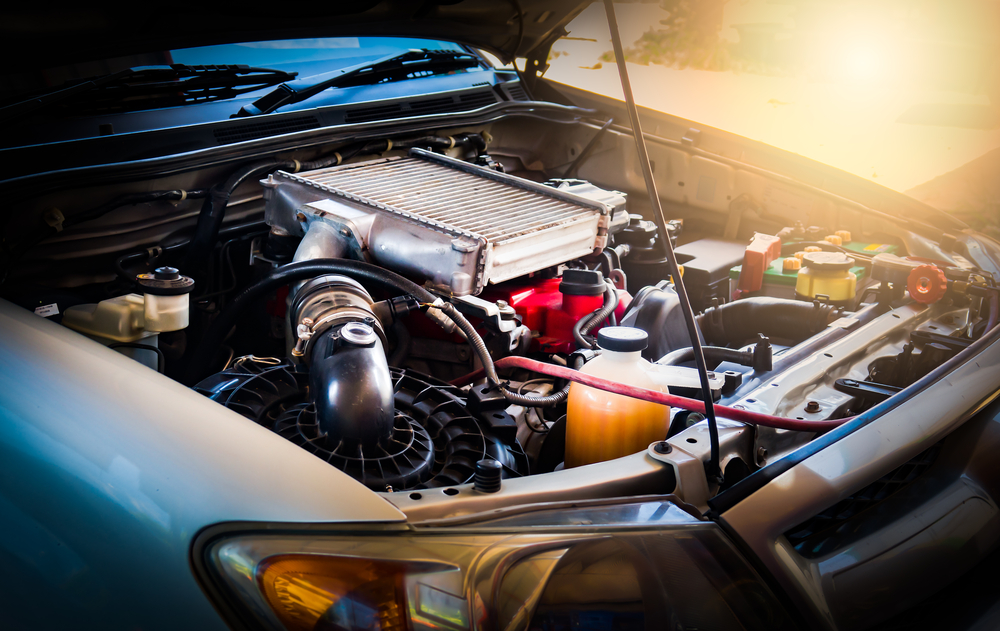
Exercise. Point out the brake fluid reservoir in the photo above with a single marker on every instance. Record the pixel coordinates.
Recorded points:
(166, 299)
(601, 425)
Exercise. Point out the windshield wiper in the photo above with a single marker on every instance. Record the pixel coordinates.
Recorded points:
(153, 87)
(409, 65)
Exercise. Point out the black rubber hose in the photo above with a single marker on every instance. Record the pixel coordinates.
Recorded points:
(131, 199)
(359, 270)
(736, 322)
(712, 353)
(403, 344)
(293, 273)
(474, 141)
(586, 324)
(123, 262)
(213, 210)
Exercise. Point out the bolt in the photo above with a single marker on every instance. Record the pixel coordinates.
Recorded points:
(662, 447)
(502, 304)
(307, 321)
(761, 454)
(812, 407)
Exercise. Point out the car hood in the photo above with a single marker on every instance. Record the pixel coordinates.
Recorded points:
(37, 37)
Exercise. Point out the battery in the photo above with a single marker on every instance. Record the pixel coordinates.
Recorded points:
(781, 284)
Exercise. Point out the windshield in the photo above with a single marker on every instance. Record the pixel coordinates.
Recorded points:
(181, 87)
(305, 55)
(895, 91)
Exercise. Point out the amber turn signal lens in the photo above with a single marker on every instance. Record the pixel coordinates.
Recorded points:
(314, 592)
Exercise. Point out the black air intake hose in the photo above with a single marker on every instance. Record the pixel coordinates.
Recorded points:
(759, 357)
(738, 322)
(350, 384)
(205, 351)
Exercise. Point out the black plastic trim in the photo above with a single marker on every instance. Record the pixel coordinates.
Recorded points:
(231, 133)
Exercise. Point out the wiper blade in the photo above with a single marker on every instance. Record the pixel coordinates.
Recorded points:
(153, 87)
(409, 65)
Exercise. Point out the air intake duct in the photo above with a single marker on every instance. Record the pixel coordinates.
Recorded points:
(350, 386)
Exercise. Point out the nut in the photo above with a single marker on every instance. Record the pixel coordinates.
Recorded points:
(812, 407)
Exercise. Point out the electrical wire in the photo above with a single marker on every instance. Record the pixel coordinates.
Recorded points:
(712, 468)
(537, 410)
(571, 169)
(587, 323)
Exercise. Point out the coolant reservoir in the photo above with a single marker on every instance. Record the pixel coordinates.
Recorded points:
(603, 426)
(828, 274)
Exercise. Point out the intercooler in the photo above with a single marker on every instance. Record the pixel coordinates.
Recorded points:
(454, 224)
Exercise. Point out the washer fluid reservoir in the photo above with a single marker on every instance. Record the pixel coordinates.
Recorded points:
(601, 425)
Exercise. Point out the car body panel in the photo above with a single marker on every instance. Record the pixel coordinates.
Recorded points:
(111, 470)
(950, 529)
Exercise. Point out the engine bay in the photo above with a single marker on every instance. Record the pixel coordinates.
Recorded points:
(473, 318)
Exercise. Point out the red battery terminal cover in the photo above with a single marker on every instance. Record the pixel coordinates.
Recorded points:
(760, 253)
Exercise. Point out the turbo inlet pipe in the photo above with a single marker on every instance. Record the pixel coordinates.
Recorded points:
(351, 387)
(343, 341)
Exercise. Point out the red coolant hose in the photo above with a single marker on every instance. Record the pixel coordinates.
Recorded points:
(744, 416)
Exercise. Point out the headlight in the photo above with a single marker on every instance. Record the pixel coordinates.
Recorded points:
(636, 565)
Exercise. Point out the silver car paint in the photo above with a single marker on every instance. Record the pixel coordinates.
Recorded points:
(108, 470)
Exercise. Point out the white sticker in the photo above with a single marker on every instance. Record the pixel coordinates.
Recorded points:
(47, 311)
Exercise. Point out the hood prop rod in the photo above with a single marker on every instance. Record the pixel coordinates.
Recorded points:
(712, 466)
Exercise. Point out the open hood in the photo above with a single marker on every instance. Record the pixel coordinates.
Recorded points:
(38, 37)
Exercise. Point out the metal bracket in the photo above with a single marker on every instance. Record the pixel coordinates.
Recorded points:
(867, 390)
(499, 316)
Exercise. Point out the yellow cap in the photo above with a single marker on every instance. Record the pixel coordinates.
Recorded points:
(845, 235)
(680, 268)
(800, 254)
(833, 239)
(791, 264)
(812, 248)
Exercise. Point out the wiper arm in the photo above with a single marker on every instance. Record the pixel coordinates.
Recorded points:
(409, 65)
(152, 87)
